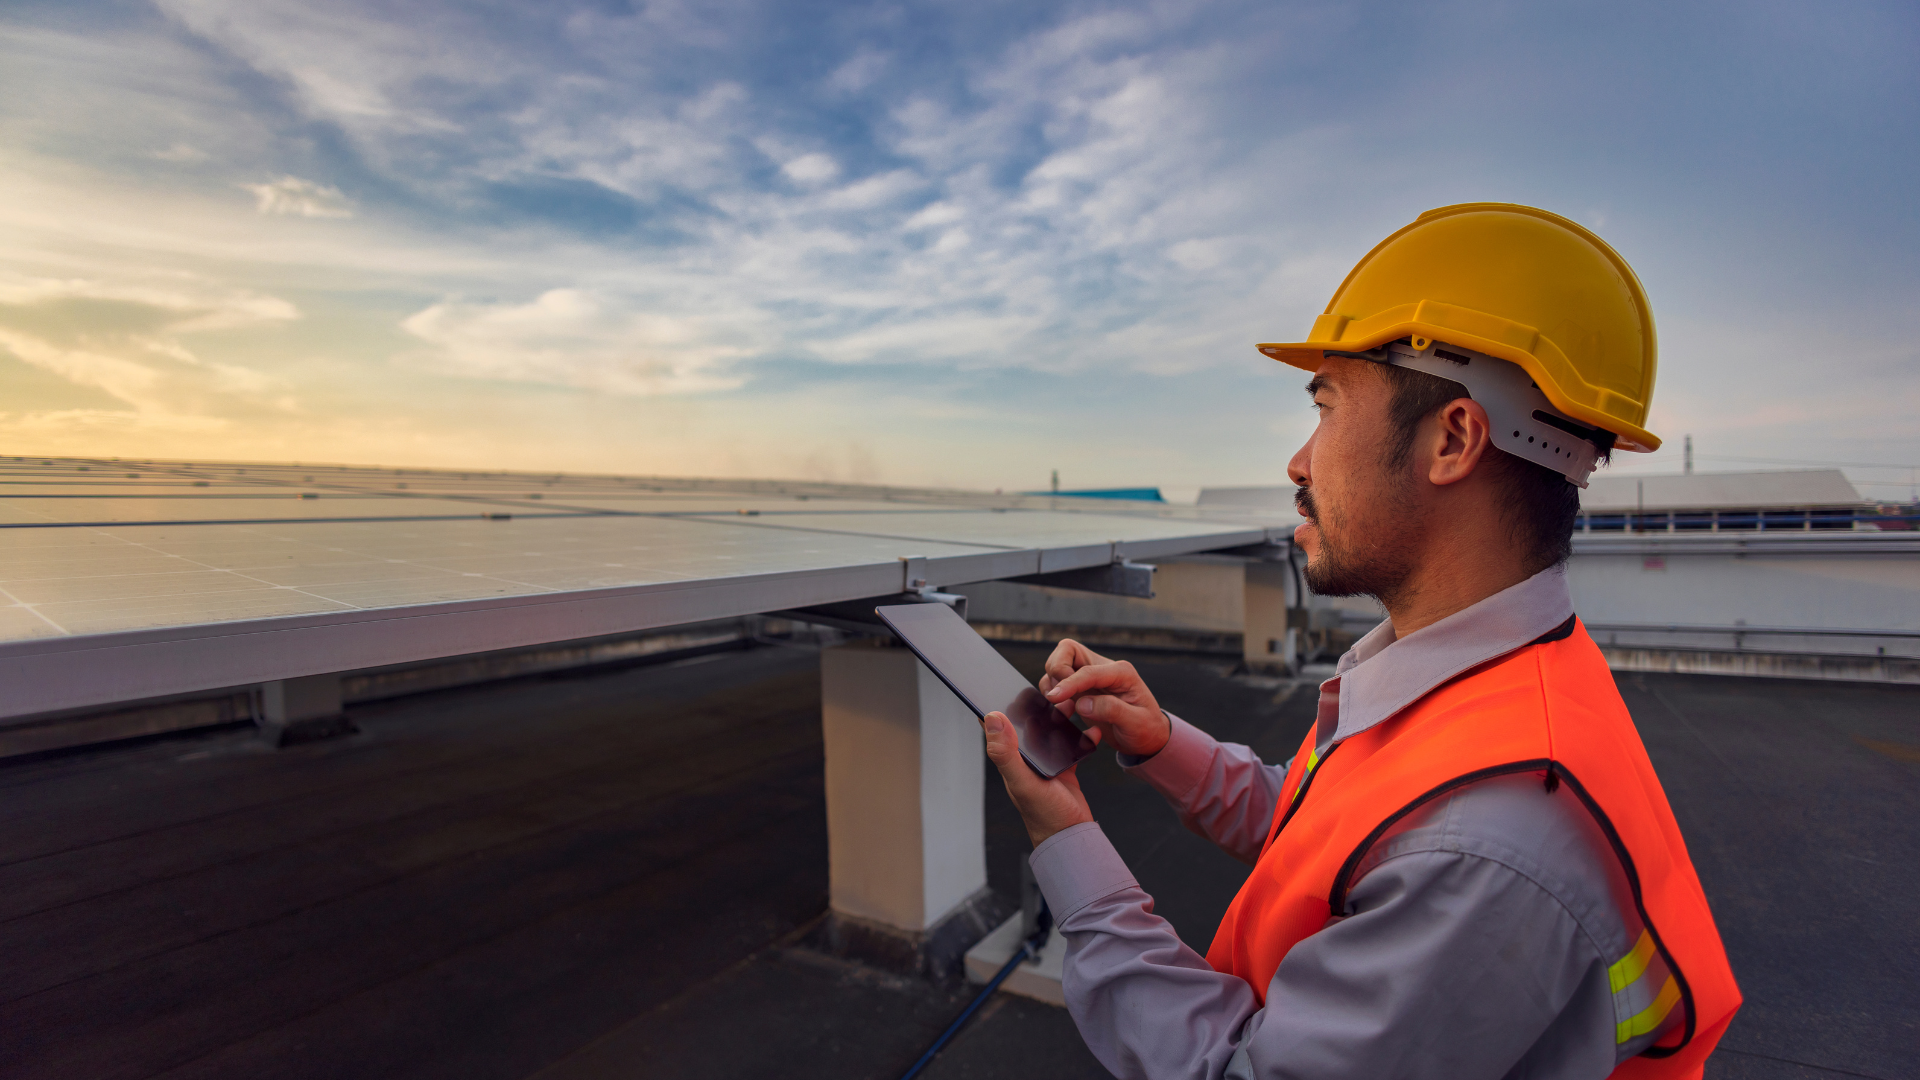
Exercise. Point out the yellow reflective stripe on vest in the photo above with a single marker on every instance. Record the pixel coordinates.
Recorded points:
(1633, 977)
(1313, 762)
(1633, 964)
(1650, 1018)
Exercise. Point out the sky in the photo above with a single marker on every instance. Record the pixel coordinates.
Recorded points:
(956, 244)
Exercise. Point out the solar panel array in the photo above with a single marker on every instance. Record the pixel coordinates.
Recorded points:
(121, 580)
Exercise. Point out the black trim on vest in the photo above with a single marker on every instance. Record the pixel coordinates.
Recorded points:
(1300, 797)
(1337, 900)
(1639, 902)
(1558, 633)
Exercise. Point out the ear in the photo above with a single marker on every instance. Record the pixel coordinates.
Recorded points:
(1458, 436)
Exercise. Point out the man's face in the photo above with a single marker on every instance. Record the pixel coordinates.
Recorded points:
(1359, 514)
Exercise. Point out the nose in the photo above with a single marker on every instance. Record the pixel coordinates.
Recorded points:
(1300, 470)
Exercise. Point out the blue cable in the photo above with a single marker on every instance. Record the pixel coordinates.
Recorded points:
(1028, 948)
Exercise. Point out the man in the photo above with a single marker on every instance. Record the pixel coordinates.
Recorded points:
(1469, 869)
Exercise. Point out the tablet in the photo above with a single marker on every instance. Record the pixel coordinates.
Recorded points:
(985, 681)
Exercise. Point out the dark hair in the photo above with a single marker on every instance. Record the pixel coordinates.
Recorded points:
(1541, 504)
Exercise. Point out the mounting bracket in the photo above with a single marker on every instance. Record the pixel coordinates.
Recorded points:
(1119, 578)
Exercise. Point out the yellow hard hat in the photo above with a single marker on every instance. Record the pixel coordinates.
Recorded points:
(1515, 283)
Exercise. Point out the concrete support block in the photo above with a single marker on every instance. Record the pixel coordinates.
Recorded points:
(1268, 641)
(906, 834)
(302, 710)
(1038, 978)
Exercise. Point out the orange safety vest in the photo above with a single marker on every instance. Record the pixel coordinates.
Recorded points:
(1549, 708)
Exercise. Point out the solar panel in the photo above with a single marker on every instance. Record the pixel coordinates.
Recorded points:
(123, 580)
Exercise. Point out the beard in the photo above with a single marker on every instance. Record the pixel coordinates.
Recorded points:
(1360, 555)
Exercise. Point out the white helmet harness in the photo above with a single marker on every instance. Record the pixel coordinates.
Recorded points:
(1524, 423)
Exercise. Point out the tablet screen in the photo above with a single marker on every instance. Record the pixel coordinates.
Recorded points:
(987, 683)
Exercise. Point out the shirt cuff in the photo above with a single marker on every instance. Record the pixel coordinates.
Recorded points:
(1180, 765)
(1077, 866)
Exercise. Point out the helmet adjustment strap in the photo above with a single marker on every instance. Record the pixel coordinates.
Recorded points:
(1525, 423)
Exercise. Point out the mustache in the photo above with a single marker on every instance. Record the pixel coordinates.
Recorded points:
(1303, 502)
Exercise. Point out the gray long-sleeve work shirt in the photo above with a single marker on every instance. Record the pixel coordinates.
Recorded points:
(1485, 933)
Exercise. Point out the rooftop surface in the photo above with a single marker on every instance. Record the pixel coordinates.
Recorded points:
(611, 874)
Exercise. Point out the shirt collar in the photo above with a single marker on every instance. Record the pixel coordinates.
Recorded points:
(1382, 674)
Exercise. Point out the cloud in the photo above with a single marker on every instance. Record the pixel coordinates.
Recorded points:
(811, 168)
(664, 204)
(1038, 197)
(187, 303)
(156, 377)
(128, 340)
(300, 198)
(127, 380)
(1064, 152)
(934, 215)
(568, 337)
(860, 70)
(346, 61)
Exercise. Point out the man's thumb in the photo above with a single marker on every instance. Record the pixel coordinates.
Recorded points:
(1000, 737)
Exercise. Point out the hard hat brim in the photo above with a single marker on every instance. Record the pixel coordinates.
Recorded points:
(1308, 355)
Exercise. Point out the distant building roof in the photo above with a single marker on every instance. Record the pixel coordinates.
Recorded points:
(1798, 488)
(1262, 497)
(1146, 494)
(1721, 491)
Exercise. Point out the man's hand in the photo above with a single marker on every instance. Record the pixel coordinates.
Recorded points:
(1047, 806)
(1107, 694)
